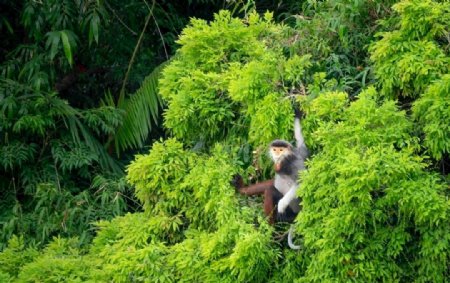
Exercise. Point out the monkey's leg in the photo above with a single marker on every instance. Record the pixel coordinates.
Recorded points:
(266, 188)
(271, 197)
(257, 189)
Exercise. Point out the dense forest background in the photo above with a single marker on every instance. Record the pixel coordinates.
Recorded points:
(123, 123)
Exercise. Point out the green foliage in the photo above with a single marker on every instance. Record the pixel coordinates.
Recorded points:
(432, 110)
(336, 33)
(54, 210)
(60, 261)
(47, 145)
(57, 126)
(155, 175)
(226, 80)
(195, 232)
(15, 256)
(370, 210)
(408, 59)
(326, 107)
(373, 208)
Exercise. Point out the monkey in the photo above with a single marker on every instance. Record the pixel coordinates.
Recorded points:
(288, 162)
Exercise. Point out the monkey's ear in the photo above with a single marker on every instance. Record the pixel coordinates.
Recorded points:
(237, 182)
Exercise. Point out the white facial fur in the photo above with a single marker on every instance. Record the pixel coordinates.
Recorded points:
(278, 153)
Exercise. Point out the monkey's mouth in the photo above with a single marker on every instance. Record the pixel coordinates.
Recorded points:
(277, 166)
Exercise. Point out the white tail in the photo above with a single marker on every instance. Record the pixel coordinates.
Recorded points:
(290, 243)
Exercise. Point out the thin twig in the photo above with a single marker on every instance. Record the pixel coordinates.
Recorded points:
(162, 38)
(122, 91)
(120, 20)
(157, 26)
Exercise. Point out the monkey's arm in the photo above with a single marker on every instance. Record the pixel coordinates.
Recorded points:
(287, 198)
(304, 152)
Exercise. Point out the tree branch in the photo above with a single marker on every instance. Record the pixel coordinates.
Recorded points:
(122, 90)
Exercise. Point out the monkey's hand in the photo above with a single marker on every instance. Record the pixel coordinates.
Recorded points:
(298, 112)
(282, 205)
(286, 199)
(237, 182)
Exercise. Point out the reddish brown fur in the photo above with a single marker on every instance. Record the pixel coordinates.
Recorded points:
(267, 189)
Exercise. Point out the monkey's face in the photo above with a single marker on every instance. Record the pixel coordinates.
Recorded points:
(278, 153)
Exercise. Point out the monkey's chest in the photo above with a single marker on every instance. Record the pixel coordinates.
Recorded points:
(283, 183)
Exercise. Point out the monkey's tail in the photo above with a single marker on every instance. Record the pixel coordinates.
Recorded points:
(290, 243)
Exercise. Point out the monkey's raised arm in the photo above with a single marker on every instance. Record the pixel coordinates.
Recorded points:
(301, 146)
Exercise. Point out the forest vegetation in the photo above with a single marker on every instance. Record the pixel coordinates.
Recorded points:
(123, 124)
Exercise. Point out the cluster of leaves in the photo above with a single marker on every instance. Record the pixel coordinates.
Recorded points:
(336, 34)
(432, 110)
(67, 104)
(49, 152)
(195, 232)
(409, 58)
(60, 261)
(412, 62)
(194, 227)
(371, 211)
(218, 87)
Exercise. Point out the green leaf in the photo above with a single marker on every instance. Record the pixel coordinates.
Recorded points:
(53, 39)
(93, 29)
(66, 46)
(141, 112)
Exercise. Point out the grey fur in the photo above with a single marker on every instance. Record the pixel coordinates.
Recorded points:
(286, 179)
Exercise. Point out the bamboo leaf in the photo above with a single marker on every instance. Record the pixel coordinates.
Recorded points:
(66, 46)
(93, 30)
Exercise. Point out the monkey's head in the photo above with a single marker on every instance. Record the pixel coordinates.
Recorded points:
(279, 149)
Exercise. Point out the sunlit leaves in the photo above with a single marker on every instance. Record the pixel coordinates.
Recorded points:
(60, 260)
(295, 68)
(365, 193)
(273, 119)
(192, 228)
(227, 81)
(432, 110)
(406, 60)
(406, 67)
(155, 176)
(15, 255)
(423, 19)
